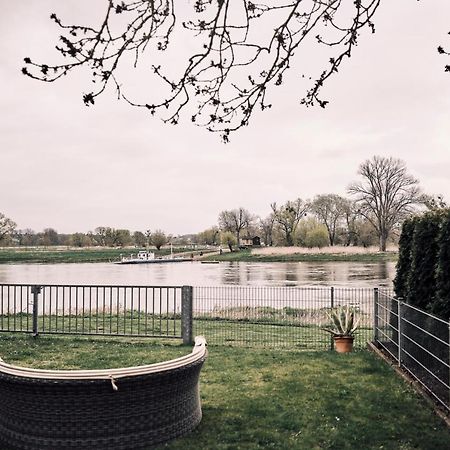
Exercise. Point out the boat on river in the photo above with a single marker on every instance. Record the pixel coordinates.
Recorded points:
(144, 257)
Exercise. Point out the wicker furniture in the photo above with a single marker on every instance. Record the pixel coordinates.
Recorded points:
(118, 409)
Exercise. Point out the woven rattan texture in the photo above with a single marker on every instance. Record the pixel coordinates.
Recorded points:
(40, 414)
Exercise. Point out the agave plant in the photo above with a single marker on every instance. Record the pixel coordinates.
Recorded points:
(343, 321)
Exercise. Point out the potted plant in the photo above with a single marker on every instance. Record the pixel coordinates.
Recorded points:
(343, 327)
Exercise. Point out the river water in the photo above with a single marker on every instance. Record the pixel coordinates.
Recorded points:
(339, 274)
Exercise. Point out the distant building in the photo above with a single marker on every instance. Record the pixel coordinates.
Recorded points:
(250, 241)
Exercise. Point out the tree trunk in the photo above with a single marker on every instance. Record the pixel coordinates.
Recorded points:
(289, 238)
(383, 240)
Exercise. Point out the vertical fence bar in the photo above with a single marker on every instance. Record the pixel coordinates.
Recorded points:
(375, 315)
(35, 290)
(400, 340)
(331, 306)
(186, 314)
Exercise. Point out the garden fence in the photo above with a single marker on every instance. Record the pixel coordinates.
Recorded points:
(251, 316)
(153, 311)
(417, 341)
(277, 316)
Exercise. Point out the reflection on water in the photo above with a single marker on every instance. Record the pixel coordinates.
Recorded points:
(197, 274)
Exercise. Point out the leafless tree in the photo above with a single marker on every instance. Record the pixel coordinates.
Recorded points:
(288, 216)
(159, 238)
(386, 194)
(7, 226)
(210, 236)
(266, 226)
(330, 209)
(236, 221)
(243, 48)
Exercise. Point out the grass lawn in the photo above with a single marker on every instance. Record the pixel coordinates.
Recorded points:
(82, 255)
(260, 332)
(259, 399)
(248, 256)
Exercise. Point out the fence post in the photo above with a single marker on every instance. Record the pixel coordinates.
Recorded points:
(376, 297)
(331, 306)
(35, 290)
(186, 314)
(400, 340)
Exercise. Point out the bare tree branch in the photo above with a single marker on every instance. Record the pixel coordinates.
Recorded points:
(230, 76)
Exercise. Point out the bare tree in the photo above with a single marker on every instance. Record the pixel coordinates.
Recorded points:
(159, 238)
(386, 194)
(266, 226)
(100, 235)
(236, 221)
(288, 216)
(7, 226)
(243, 48)
(330, 210)
(210, 236)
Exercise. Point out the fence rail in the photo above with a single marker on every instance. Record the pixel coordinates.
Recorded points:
(92, 310)
(417, 341)
(227, 315)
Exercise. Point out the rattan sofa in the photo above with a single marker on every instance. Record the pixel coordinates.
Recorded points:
(117, 409)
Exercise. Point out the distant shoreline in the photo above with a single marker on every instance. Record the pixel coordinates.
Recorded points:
(269, 254)
(40, 255)
(301, 254)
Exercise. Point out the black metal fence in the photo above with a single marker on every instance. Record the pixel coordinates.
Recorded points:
(417, 341)
(93, 310)
(262, 316)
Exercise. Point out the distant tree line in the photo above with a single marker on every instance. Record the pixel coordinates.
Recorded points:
(378, 203)
(100, 237)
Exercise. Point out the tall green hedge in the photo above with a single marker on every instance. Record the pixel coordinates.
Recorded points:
(404, 258)
(424, 252)
(441, 304)
(423, 268)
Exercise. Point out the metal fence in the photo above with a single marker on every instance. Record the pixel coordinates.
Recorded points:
(92, 310)
(417, 341)
(290, 317)
(276, 316)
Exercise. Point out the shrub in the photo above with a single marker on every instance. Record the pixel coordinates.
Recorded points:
(441, 303)
(424, 252)
(404, 258)
(317, 237)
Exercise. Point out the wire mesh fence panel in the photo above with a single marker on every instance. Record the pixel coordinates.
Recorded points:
(425, 351)
(386, 331)
(419, 342)
(93, 310)
(270, 316)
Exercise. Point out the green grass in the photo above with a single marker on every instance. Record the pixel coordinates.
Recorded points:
(260, 399)
(49, 255)
(244, 331)
(247, 256)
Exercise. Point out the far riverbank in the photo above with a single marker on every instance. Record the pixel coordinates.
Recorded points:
(46, 255)
(49, 255)
(300, 254)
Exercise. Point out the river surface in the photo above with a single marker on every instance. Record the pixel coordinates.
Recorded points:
(339, 274)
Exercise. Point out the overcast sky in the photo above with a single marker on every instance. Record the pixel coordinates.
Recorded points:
(75, 168)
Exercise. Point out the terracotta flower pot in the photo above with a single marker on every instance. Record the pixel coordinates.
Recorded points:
(343, 344)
